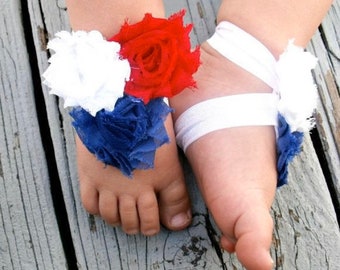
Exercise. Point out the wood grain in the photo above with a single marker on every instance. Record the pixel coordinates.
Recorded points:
(29, 234)
(306, 234)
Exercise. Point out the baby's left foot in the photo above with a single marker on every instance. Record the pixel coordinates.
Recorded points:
(235, 167)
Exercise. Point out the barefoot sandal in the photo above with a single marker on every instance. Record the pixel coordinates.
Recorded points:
(288, 108)
(117, 87)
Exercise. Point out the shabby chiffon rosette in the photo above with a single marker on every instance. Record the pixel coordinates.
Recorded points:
(158, 52)
(117, 86)
(86, 70)
(127, 136)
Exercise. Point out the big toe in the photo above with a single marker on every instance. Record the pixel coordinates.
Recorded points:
(254, 240)
(253, 256)
(174, 205)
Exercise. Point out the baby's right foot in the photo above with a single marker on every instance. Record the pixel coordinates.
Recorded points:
(129, 70)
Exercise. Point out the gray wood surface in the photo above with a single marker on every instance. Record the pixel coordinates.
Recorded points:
(306, 234)
(326, 46)
(29, 235)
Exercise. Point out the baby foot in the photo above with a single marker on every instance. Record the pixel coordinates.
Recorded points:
(141, 203)
(235, 167)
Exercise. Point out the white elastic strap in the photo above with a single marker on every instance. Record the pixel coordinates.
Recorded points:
(244, 50)
(258, 109)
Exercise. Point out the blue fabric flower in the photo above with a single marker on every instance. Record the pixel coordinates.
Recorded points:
(288, 146)
(128, 136)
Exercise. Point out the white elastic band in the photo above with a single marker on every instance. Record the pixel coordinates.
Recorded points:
(294, 93)
(244, 50)
(225, 112)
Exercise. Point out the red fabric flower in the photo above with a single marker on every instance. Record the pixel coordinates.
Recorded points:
(160, 56)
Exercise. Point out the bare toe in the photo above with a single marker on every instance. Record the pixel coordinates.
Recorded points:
(89, 197)
(128, 214)
(174, 206)
(254, 237)
(228, 243)
(108, 208)
(148, 214)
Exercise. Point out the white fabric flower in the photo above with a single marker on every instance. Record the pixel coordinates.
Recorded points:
(86, 70)
(298, 93)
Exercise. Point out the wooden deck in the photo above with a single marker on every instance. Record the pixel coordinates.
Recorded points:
(42, 222)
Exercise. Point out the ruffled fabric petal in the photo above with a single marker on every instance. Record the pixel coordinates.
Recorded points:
(298, 101)
(160, 55)
(296, 87)
(128, 136)
(288, 145)
(86, 70)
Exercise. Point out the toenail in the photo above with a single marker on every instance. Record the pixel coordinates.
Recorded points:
(131, 232)
(150, 232)
(180, 220)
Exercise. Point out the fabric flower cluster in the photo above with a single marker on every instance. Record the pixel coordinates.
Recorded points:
(117, 86)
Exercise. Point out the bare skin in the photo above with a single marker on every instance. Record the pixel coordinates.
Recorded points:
(236, 168)
(152, 196)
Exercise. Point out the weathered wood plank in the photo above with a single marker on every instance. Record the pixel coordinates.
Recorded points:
(29, 234)
(201, 13)
(325, 45)
(306, 233)
(305, 221)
